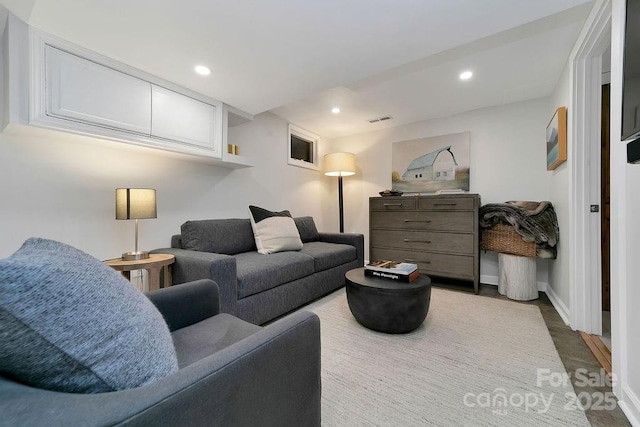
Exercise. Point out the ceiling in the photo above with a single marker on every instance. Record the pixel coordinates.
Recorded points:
(299, 58)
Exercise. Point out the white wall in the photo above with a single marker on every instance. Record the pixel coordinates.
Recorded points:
(625, 241)
(508, 162)
(560, 197)
(61, 186)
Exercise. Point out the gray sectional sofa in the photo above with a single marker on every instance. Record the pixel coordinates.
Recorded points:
(255, 287)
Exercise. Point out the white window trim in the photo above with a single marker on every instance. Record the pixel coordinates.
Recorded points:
(309, 136)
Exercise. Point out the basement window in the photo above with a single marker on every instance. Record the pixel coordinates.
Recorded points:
(303, 148)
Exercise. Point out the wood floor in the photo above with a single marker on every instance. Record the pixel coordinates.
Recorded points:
(572, 349)
(600, 351)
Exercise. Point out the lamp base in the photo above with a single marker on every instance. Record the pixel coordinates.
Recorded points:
(135, 256)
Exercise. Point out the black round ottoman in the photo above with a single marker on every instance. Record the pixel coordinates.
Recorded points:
(387, 305)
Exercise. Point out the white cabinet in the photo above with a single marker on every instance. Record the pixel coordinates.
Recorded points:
(81, 90)
(77, 90)
(180, 118)
(84, 92)
(51, 83)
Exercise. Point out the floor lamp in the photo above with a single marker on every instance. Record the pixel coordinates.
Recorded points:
(340, 164)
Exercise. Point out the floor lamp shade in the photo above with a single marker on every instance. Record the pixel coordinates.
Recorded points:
(136, 203)
(340, 164)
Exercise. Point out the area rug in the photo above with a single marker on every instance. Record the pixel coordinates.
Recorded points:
(475, 361)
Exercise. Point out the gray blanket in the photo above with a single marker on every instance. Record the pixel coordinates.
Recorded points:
(534, 221)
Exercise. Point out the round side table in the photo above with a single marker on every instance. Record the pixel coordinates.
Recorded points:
(153, 265)
(386, 305)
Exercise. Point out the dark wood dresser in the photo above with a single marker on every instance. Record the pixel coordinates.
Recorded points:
(439, 233)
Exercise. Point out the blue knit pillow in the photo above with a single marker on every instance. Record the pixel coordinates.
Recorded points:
(70, 323)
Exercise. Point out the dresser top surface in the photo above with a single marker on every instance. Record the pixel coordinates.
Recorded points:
(427, 196)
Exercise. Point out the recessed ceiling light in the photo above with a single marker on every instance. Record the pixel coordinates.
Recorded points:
(466, 75)
(335, 110)
(202, 70)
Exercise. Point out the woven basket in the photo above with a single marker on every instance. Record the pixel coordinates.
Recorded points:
(504, 238)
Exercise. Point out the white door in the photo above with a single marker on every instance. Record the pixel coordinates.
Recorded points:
(180, 118)
(81, 90)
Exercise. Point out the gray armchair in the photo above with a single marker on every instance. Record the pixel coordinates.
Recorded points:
(232, 373)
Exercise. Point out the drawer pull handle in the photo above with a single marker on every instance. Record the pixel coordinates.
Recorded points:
(417, 260)
(392, 204)
(417, 220)
(444, 204)
(417, 241)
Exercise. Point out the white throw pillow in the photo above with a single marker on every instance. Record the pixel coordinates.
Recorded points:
(274, 231)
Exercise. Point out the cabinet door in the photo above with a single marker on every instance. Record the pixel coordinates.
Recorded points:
(180, 118)
(81, 90)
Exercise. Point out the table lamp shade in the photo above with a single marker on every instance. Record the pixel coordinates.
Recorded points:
(135, 203)
(340, 164)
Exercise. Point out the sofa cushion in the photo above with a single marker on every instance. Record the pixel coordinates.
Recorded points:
(204, 338)
(223, 236)
(274, 231)
(307, 229)
(257, 273)
(328, 255)
(70, 323)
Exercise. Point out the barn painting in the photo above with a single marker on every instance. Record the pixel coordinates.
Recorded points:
(430, 164)
(439, 165)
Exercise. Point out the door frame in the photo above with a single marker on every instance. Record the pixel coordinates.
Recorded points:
(584, 178)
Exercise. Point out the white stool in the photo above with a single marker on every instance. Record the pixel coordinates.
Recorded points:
(517, 277)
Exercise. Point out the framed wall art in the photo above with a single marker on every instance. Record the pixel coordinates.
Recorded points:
(557, 139)
(430, 165)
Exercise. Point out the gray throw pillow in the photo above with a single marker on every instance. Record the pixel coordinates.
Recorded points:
(70, 323)
(307, 229)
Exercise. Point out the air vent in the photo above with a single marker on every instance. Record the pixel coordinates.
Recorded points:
(380, 119)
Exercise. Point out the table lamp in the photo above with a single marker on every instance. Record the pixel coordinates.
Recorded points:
(340, 164)
(135, 203)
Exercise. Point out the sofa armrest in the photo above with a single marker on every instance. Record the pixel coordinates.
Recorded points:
(231, 387)
(187, 304)
(193, 265)
(353, 239)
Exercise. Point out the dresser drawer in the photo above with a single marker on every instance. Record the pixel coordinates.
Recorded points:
(446, 203)
(455, 243)
(441, 221)
(458, 266)
(393, 203)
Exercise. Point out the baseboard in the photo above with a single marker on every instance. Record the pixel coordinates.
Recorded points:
(562, 309)
(489, 280)
(485, 279)
(630, 405)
